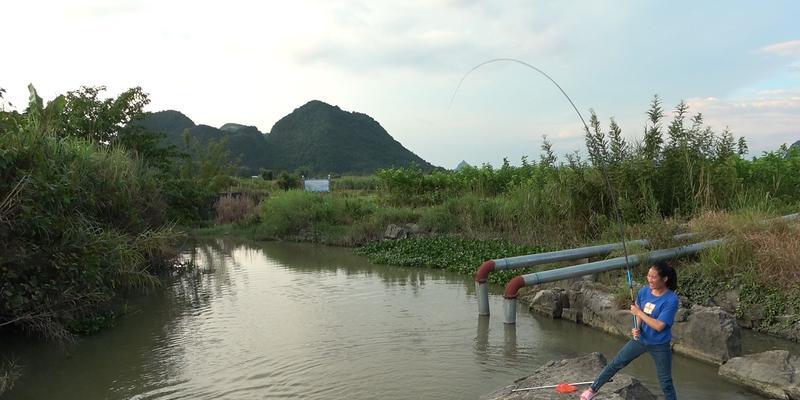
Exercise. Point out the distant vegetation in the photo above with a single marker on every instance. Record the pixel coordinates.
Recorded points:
(680, 169)
(316, 139)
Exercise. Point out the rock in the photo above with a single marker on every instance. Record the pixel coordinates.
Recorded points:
(599, 309)
(728, 300)
(572, 314)
(580, 369)
(549, 302)
(792, 333)
(752, 316)
(412, 228)
(706, 333)
(772, 373)
(395, 232)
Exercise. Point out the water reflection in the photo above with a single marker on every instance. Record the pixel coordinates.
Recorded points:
(510, 342)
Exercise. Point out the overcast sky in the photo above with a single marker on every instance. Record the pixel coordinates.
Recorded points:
(252, 62)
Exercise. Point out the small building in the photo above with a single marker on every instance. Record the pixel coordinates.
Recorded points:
(317, 185)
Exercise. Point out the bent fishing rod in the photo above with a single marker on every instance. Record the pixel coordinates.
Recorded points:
(603, 163)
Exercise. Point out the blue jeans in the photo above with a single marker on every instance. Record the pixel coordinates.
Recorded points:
(662, 355)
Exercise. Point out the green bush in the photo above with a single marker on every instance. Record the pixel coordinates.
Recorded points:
(365, 183)
(80, 222)
(298, 212)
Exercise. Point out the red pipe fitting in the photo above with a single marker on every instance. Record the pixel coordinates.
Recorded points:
(513, 286)
(483, 272)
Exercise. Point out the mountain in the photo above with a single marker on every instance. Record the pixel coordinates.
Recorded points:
(327, 139)
(239, 128)
(169, 122)
(246, 143)
(796, 144)
(463, 164)
(316, 137)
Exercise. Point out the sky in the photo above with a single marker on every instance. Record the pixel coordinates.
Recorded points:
(253, 62)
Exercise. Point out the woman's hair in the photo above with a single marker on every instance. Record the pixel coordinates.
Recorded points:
(666, 271)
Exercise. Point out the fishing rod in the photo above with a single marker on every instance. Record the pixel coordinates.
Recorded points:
(552, 386)
(602, 160)
(565, 387)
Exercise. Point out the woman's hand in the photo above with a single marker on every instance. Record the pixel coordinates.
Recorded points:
(635, 332)
(636, 311)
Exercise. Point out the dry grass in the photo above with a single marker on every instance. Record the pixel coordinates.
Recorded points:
(770, 246)
(777, 254)
(718, 224)
(229, 209)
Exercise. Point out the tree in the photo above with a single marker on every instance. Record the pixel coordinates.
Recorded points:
(725, 145)
(547, 158)
(619, 149)
(596, 142)
(149, 146)
(652, 134)
(101, 120)
(741, 146)
(288, 181)
(266, 174)
(677, 132)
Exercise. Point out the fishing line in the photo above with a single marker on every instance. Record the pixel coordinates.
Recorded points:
(603, 163)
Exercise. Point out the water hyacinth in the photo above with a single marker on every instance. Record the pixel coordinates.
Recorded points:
(448, 253)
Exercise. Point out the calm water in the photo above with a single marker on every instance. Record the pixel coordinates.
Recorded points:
(274, 320)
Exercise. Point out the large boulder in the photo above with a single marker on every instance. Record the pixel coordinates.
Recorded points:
(772, 373)
(599, 309)
(706, 333)
(728, 300)
(580, 369)
(549, 302)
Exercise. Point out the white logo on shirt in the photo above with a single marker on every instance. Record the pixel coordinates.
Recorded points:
(649, 307)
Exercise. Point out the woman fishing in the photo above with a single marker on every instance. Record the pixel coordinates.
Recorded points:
(655, 308)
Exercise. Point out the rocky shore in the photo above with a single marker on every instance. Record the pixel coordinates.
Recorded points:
(707, 333)
(580, 369)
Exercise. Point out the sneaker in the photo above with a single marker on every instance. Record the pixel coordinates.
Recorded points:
(588, 394)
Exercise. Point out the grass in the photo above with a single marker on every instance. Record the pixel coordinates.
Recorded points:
(10, 371)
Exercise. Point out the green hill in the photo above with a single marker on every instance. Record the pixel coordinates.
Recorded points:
(327, 139)
(246, 144)
(316, 137)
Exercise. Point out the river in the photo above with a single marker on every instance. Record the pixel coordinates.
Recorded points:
(284, 320)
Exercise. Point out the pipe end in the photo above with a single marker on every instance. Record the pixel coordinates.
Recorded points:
(483, 271)
(513, 287)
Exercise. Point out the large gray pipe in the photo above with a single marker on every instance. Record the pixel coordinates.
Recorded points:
(481, 287)
(510, 295)
(482, 275)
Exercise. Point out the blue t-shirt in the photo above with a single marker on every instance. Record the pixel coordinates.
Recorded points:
(662, 308)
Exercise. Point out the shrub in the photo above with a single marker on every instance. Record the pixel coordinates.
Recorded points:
(229, 209)
(80, 223)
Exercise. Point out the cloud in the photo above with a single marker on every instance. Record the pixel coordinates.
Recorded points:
(767, 119)
(787, 49)
(428, 36)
